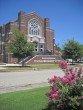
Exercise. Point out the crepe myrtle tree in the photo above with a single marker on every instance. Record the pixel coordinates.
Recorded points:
(19, 46)
(71, 50)
(66, 93)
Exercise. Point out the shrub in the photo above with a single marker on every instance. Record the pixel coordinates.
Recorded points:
(63, 64)
(66, 93)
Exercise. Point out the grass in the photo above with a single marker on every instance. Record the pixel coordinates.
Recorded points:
(44, 66)
(76, 65)
(34, 99)
(41, 66)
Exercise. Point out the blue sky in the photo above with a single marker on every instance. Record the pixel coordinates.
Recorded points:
(66, 16)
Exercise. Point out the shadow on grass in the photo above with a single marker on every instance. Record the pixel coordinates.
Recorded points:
(75, 64)
(18, 66)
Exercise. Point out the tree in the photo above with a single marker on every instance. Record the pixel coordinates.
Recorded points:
(81, 51)
(71, 49)
(18, 45)
(57, 47)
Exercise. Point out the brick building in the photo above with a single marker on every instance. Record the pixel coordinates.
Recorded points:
(37, 30)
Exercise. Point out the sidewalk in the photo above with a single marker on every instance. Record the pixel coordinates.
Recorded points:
(4, 65)
(2, 68)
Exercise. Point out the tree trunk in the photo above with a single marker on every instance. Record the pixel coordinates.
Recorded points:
(19, 59)
(72, 61)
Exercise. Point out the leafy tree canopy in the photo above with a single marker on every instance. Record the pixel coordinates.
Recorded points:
(18, 45)
(81, 50)
(57, 47)
(71, 49)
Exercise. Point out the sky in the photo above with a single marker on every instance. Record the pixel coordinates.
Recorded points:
(66, 16)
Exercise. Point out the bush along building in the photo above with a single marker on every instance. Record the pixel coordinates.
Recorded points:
(37, 30)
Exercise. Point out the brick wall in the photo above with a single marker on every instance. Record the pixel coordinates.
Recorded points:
(49, 40)
(44, 59)
(22, 25)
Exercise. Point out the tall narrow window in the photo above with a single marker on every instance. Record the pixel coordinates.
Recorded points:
(36, 47)
(38, 31)
(32, 32)
(41, 47)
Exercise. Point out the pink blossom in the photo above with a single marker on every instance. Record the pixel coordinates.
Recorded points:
(80, 69)
(54, 79)
(76, 70)
(53, 90)
(58, 105)
(81, 97)
(57, 92)
(71, 69)
(50, 100)
(67, 71)
(64, 80)
(55, 95)
(81, 75)
(63, 64)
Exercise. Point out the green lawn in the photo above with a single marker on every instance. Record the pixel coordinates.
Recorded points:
(76, 65)
(34, 99)
(43, 66)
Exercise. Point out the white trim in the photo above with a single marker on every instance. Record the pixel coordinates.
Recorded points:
(10, 32)
(3, 34)
(2, 43)
(49, 29)
(31, 59)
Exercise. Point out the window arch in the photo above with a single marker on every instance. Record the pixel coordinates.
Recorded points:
(34, 28)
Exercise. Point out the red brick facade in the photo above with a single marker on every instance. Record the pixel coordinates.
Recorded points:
(46, 38)
(44, 59)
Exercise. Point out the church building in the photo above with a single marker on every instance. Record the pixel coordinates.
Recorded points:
(37, 30)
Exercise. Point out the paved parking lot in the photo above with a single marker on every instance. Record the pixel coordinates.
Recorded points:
(12, 81)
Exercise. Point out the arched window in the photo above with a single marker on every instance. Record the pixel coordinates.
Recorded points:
(34, 27)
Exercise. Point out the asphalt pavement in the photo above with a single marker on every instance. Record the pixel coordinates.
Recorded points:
(14, 81)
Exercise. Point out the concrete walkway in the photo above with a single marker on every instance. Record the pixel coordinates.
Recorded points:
(13, 81)
(1, 68)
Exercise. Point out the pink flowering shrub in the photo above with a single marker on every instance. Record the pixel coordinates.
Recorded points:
(63, 64)
(66, 93)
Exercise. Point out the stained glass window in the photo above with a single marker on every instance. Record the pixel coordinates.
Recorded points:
(34, 27)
